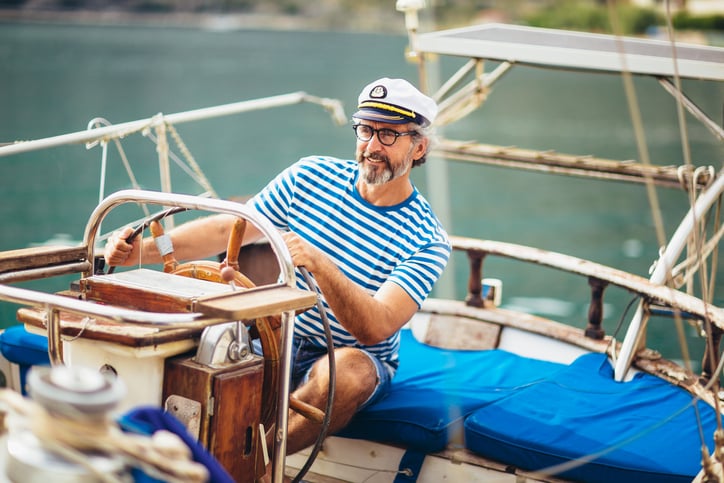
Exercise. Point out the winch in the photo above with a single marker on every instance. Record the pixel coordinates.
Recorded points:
(68, 398)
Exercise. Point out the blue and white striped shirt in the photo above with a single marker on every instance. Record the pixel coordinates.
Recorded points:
(317, 199)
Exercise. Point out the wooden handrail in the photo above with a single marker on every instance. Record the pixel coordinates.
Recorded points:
(40, 257)
(652, 292)
(572, 165)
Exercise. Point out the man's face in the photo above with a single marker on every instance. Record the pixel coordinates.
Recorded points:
(380, 163)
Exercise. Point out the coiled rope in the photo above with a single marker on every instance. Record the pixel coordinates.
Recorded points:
(162, 455)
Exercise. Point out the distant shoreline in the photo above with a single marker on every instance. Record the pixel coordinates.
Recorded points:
(371, 23)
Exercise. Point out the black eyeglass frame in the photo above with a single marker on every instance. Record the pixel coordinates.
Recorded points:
(385, 130)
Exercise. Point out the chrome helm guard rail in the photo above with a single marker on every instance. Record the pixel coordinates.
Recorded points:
(195, 203)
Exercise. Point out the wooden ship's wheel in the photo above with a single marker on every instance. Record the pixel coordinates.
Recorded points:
(267, 328)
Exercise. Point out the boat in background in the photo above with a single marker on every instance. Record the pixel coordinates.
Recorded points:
(483, 393)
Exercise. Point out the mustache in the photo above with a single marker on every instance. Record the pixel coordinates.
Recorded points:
(377, 157)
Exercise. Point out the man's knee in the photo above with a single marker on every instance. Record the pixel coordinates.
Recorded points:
(355, 372)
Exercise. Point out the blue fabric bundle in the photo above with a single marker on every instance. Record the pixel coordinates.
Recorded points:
(148, 420)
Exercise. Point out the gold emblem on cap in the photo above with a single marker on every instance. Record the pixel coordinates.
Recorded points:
(378, 92)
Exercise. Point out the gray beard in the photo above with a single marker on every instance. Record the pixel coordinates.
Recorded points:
(374, 176)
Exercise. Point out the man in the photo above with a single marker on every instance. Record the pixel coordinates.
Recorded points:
(369, 239)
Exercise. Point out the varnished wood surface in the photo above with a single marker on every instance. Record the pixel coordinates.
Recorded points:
(36, 257)
(255, 303)
(131, 335)
(165, 293)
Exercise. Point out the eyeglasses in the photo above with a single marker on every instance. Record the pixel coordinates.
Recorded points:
(386, 136)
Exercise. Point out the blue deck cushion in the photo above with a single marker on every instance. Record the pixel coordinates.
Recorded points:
(590, 412)
(435, 389)
(21, 347)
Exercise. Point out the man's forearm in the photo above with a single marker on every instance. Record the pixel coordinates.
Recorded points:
(369, 320)
(194, 240)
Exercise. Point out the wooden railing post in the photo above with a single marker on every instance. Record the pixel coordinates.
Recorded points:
(711, 354)
(475, 280)
(594, 330)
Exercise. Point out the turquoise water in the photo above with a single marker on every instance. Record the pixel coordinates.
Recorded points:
(55, 78)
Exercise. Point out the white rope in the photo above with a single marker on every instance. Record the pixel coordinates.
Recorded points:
(119, 147)
(162, 455)
(86, 322)
(201, 178)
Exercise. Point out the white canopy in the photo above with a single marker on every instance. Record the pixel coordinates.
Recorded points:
(576, 50)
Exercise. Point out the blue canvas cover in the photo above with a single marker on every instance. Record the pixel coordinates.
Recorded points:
(582, 411)
(435, 389)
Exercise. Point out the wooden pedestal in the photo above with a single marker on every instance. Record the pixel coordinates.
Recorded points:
(230, 410)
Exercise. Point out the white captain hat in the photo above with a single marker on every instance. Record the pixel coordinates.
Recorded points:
(395, 101)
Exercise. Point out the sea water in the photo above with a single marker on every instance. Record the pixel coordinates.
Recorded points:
(55, 78)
